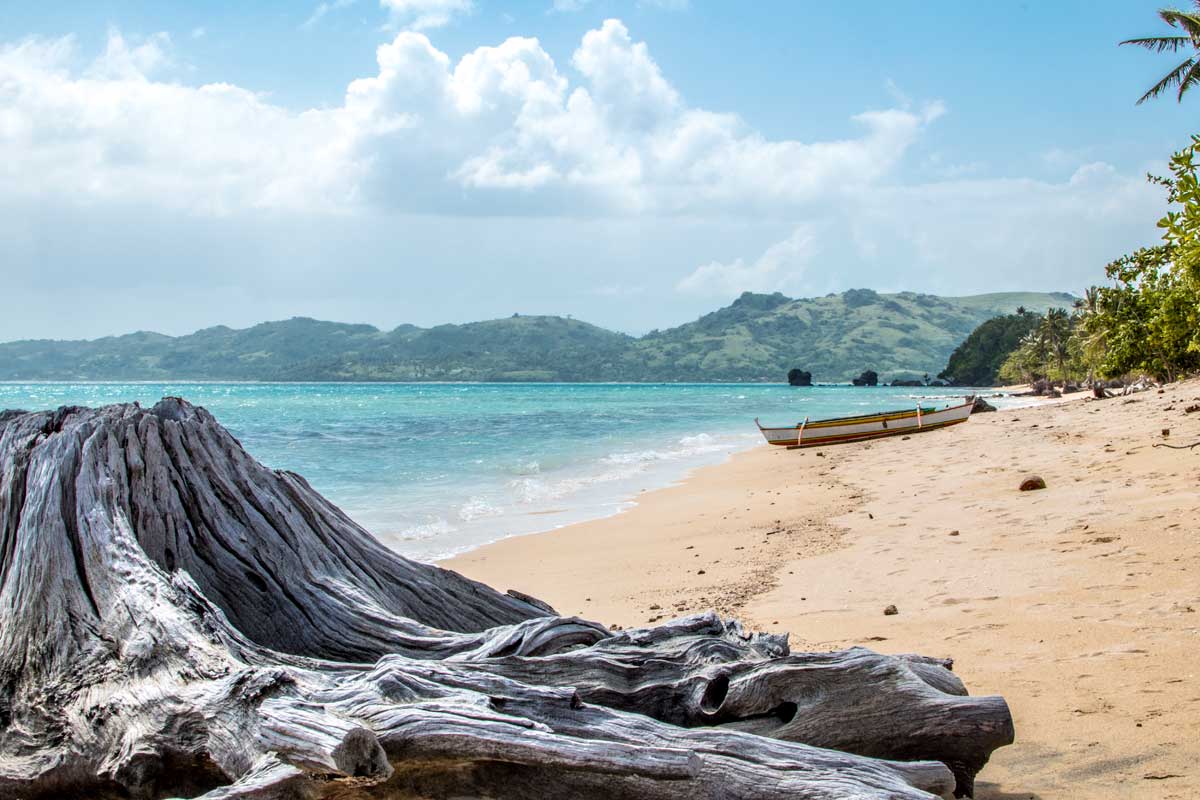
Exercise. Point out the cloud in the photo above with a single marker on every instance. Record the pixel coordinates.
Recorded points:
(953, 236)
(122, 60)
(779, 267)
(502, 131)
(110, 132)
(322, 10)
(424, 14)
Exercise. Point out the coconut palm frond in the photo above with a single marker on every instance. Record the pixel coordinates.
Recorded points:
(1190, 79)
(1161, 44)
(1170, 80)
(1187, 21)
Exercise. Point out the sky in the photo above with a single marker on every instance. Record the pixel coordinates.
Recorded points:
(632, 163)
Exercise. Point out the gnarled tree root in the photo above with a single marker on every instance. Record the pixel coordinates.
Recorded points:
(181, 621)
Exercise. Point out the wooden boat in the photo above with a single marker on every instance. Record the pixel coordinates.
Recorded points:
(866, 426)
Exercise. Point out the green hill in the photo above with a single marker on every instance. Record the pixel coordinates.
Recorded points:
(758, 337)
(976, 362)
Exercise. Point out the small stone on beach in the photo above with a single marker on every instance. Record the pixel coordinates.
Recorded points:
(1032, 482)
(954, 533)
(891, 611)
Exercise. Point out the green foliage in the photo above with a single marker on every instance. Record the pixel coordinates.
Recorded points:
(1045, 351)
(977, 361)
(1148, 321)
(759, 337)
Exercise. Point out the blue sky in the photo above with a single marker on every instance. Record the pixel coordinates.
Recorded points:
(173, 166)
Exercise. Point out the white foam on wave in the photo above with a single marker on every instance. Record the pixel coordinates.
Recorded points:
(615, 467)
(428, 530)
(478, 508)
(687, 446)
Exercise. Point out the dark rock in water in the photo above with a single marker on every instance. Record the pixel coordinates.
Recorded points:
(907, 383)
(799, 377)
(180, 620)
(1032, 483)
(981, 406)
(868, 378)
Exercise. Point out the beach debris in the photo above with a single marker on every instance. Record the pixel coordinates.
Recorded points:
(1032, 483)
(164, 653)
(981, 406)
(954, 533)
(1192, 409)
(1177, 446)
(700, 572)
(890, 611)
(1166, 432)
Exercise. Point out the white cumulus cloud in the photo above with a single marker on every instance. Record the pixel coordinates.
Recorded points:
(501, 131)
(780, 267)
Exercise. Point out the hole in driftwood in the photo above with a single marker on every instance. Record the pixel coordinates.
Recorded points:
(785, 711)
(257, 580)
(714, 694)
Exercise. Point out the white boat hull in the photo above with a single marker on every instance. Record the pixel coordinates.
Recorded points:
(838, 431)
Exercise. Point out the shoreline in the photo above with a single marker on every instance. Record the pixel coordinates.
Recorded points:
(670, 473)
(1078, 603)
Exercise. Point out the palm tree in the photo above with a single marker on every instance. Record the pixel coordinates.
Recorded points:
(1187, 73)
(1056, 332)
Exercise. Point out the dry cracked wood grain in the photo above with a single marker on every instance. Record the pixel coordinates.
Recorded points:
(179, 620)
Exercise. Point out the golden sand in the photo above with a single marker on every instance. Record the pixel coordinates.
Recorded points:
(1079, 603)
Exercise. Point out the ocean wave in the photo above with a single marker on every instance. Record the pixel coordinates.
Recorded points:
(618, 466)
(429, 530)
(478, 508)
(688, 446)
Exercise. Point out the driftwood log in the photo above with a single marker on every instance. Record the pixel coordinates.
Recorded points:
(180, 621)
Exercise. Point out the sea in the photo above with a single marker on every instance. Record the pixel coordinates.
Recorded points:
(437, 469)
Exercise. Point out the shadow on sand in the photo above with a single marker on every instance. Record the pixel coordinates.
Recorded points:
(992, 791)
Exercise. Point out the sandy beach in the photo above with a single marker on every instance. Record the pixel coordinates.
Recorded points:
(1080, 603)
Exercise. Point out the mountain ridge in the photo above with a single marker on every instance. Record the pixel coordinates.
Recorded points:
(756, 338)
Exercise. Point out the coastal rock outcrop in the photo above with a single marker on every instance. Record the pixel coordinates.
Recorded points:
(799, 377)
(180, 620)
(868, 378)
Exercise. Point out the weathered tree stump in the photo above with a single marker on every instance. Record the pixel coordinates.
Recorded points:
(179, 620)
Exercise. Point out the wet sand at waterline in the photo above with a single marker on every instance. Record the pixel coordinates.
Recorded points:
(1079, 603)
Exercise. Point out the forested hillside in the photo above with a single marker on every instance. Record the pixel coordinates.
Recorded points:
(758, 337)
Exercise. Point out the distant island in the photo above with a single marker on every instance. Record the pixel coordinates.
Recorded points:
(758, 338)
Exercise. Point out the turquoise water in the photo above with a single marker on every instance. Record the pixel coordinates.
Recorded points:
(435, 469)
